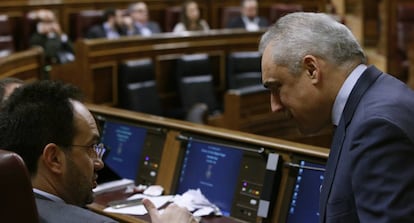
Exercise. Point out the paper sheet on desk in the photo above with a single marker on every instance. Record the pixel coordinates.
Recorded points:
(140, 209)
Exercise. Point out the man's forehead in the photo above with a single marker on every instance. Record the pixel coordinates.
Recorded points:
(140, 6)
(250, 3)
(82, 112)
(84, 121)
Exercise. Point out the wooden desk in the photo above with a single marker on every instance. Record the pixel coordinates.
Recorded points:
(170, 156)
(97, 60)
(26, 65)
(101, 201)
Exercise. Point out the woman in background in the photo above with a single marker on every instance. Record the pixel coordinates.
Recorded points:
(190, 18)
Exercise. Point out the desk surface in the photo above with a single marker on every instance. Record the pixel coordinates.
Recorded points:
(102, 199)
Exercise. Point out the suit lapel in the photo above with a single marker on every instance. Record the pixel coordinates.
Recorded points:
(364, 82)
(39, 196)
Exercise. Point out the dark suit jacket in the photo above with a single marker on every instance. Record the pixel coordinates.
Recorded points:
(153, 26)
(370, 170)
(54, 47)
(98, 31)
(238, 23)
(52, 212)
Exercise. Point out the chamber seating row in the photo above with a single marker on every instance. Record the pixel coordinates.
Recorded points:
(81, 21)
(131, 77)
(77, 16)
(108, 73)
(194, 81)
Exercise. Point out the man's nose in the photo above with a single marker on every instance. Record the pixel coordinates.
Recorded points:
(98, 164)
(275, 103)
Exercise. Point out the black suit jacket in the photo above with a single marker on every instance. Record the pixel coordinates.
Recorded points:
(239, 23)
(96, 31)
(153, 26)
(55, 49)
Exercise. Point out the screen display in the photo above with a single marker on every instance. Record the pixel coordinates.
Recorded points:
(304, 204)
(214, 169)
(125, 143)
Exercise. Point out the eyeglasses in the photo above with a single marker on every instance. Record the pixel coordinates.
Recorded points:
(99, 149)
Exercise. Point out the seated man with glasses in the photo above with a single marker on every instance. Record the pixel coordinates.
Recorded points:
(58, 139)
(142, 25)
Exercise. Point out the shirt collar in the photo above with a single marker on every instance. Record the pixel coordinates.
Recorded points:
(48, 195)
(344, 93)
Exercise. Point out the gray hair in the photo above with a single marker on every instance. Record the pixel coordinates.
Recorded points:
(303, 33)
(243, 2)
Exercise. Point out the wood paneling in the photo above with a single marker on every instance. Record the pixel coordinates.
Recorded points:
(26, 65)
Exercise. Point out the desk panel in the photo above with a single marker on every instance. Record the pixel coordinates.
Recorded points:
(170, 163)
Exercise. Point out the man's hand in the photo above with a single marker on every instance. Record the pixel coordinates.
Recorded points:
(172, 214)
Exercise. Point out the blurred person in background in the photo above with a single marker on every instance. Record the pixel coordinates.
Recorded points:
(191, 19)
(49, 35)
(140, 20)
(249, 18)
(112, 27)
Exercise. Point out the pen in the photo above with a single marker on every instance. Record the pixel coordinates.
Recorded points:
(125, 203)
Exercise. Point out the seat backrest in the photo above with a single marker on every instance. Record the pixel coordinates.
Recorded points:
(137, 89)
(28, 28)
(405, 25)
(405, 35)
(18, 202)
(278, 10)
(5, 26)
(82, 21)
(195, 81)
(6, 36)
(243, 69)
(172, 17)
(6, 46)
(228, 13)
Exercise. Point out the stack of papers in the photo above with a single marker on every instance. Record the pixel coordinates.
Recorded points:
(197, 203)
(193, 200)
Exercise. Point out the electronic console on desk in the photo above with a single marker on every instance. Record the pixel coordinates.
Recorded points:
(134, 150)
(240, 179)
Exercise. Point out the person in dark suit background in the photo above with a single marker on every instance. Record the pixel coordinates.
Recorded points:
(113, 26)
(315, 70)
(140, 20)
(49, 35)
(48, 126)
(249, 18)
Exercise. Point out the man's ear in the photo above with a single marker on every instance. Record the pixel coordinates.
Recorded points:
(312, 68)
(53, 158)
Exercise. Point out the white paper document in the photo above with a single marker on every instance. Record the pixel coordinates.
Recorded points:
(140, 209)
